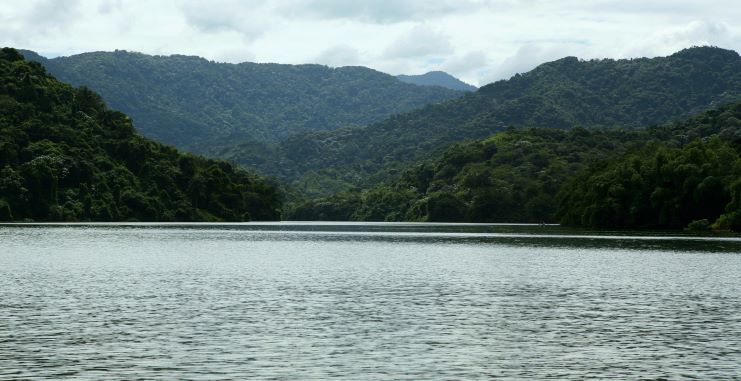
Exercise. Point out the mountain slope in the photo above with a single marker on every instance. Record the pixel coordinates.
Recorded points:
(437, 78)
(689, 175)
(560, 94)
(197, 104)
(663, 177)
(64, 156)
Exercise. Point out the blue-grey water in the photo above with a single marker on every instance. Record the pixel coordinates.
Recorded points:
(366, 301)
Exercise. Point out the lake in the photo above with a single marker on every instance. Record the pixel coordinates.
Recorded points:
(301, 301)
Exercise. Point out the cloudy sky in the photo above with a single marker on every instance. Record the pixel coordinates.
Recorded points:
(477, 40)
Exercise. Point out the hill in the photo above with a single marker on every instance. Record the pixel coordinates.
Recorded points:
(198, 105)
(64, 156)
(561, 94)
(437, 78)
(663, 177)
(686, 175)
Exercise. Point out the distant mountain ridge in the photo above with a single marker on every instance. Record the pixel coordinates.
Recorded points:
(437, 78)
(629, 93)
(197, 104)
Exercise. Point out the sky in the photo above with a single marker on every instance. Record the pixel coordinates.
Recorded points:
(479, 41)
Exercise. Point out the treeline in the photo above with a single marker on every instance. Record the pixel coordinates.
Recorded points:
(663, 177)
(64, 156)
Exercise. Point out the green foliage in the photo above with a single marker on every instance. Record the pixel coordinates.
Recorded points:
(512, 176)
(64, 156)
(562, 94)
(663, 177)
(201, 106)
(690, 173)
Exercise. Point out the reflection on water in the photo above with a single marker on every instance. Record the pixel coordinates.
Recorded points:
(366, 301)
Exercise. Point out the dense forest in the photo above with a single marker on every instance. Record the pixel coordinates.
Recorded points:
(562, 94)
(686, 175)
(567, 142)
(663, 177)
(512, 176)
(64, 156)
(200, 105)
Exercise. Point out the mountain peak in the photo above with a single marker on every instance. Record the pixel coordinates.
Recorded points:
(703, 52)
(437, 78)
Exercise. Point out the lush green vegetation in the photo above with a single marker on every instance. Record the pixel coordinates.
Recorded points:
(250, 113)
(513, 176)
(663, 177)
(200, 105)
(562, 94)
(64, 156)
(690, 175)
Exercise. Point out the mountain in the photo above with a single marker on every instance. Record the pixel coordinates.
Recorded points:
(672, 176)
(64, 156)
(562, 94)
(197, 104)
(437, 78)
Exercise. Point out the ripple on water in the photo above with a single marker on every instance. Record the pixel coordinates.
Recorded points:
(92, 303)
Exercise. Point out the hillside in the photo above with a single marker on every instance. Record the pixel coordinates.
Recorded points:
(437, 78)
(197, 104)
(512, 176)
(64, 156)
(663, 177)
(560, 94)
(687, 175)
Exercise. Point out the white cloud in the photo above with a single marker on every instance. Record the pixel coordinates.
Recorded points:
(420, 42)
(527, 57)
(383, 11)
(694, 33)
(469, 66)
(477, 40)
(228, 15)
(339, 55)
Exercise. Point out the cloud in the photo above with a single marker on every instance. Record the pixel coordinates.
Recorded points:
(465, 63)
(107, 6)
(421, 42)
(526, 58)
(468, 67)
(477, 40)
(694, 33)
(339, 55)
(385, 11)
(246, 18)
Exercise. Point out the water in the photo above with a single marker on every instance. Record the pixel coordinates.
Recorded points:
(366, 301)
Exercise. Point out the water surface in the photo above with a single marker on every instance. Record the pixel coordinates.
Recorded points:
(366, 301)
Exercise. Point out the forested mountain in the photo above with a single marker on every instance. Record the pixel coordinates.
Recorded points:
(64, 156)
(662, 177)
(512, 176)
(689, 174)
(199, 105)
(561, 94)
(437, 78)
